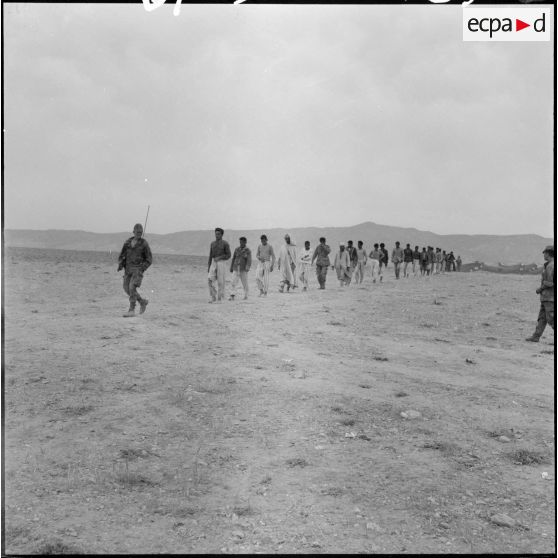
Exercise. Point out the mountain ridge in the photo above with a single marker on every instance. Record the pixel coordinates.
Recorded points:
(507, 249)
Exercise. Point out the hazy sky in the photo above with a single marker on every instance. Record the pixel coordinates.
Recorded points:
(252, 117)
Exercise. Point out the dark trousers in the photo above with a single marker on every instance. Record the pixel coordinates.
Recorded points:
(321, 273)
(132, 282)
(546, 316)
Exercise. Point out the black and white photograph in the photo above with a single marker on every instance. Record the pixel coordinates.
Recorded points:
(278, 278)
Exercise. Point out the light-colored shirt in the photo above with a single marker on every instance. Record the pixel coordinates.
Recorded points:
(306, 257)
(342, 259)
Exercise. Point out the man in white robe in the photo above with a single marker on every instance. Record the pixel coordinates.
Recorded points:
(286, 264)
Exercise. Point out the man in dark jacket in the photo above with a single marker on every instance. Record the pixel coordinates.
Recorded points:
(384, 258)
(240, 266)
(546, 291)
(135, 257)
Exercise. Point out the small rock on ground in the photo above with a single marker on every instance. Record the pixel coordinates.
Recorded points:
(503, 520)
(410, 414)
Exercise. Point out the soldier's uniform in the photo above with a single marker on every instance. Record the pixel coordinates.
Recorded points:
(546, 291)
(135, 257)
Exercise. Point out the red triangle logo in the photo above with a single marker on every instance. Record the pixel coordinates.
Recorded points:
(519, 25)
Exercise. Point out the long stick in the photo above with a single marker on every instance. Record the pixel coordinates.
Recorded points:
(145, 226)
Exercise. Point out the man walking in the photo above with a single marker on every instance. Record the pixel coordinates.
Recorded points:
(342, 266)
(305, 262)
(416, 261)
(407, 259)
(321, 256)
(135, 257)
(286, 263)
(397, 258)
(444, 262)
(438, 261)
(384, 258)
(375, 257)
(240, 266)
(266, 260)
(423, 261)
(219, 253)
(361, 262)
(546, 292)
(353, 259)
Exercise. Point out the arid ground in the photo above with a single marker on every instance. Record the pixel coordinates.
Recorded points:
(273, 425)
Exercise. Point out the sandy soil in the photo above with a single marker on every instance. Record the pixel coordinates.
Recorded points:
(273, 425)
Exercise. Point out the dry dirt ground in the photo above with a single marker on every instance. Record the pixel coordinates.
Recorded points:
(273, 425)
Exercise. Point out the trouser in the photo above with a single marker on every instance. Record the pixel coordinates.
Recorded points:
(352, 270)
(295, 278)
(405, 266)
(241, 276)
(344, 275)
(217, 274)
(288, 279)
(375, 269)
(304, 275)
(262, 276)
(132, 282)
(416, 267)
(397, 267)
(321, 273)
(359, 271)
(545, 317)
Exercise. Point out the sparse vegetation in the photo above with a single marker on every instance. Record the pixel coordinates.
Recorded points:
(528, 457)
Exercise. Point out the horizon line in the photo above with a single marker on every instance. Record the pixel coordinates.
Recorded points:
(259, 230)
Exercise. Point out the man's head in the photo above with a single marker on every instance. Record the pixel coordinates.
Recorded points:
(376, 245)
(382, 245)
(307, 244)
(322, 240)
(350, 243)
(416, 247)
(360, 243)
(242, 240)
(138, 230)
(219, 233)
(397, 243)
(548, 253)
(341, 246)
(263, 238)
(408, 245)
(287, 239)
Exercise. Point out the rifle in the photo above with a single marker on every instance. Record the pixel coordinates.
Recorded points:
(145, 226)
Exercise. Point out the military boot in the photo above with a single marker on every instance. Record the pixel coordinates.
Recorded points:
(143, 305)
(131, 312)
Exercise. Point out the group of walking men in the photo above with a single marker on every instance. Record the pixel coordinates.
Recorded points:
(349, 262)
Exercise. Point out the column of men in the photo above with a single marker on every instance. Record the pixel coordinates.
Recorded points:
(294, 267)
(135, 257)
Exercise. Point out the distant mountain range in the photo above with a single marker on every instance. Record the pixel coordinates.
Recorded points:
(491, 249)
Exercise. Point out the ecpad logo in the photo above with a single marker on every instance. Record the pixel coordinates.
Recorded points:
(506, 24)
